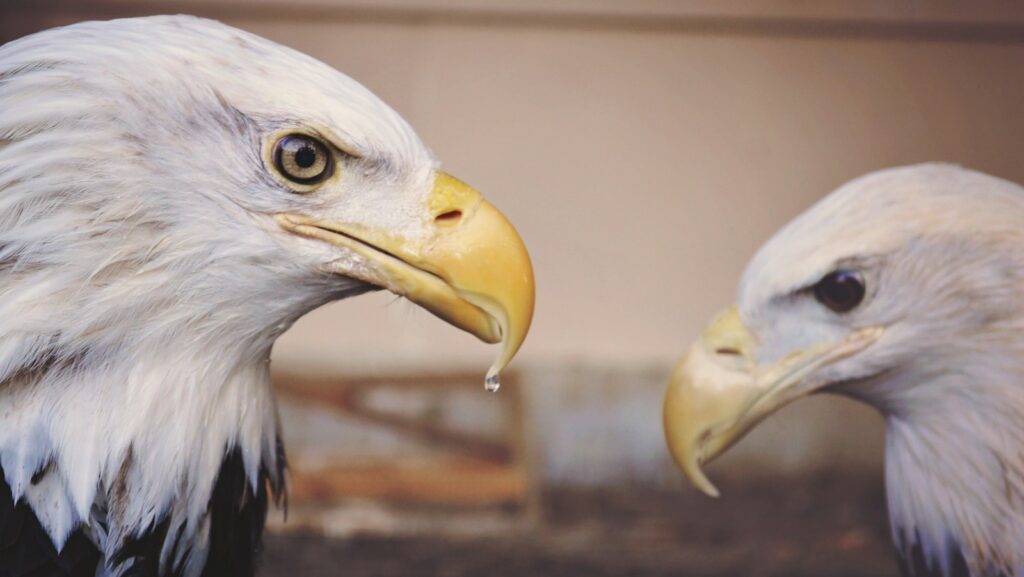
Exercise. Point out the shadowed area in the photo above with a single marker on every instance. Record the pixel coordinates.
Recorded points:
(820, 525)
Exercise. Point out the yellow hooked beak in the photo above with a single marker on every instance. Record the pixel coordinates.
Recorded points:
(470, 269)
(717, 393)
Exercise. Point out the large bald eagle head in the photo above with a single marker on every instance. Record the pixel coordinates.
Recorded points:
(904, 289)
(174, 194)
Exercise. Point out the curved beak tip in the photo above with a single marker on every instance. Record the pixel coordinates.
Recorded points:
(688, 451)
(486, 263)
(701, 482)
(501, 282)
(704, 397)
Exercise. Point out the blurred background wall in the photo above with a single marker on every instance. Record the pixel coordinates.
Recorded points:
(644, 149)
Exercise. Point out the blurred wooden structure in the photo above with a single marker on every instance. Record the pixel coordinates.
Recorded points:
(457, 466)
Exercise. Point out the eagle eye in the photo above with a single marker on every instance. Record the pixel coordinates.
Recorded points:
(303, 159)
(840, 290)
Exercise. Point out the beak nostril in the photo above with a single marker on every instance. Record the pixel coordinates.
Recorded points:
(449, 217)
(727, 351)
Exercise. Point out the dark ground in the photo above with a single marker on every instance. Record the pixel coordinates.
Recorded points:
(828, 526)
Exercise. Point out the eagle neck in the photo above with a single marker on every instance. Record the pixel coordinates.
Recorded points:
(120, 450)
(955, 476)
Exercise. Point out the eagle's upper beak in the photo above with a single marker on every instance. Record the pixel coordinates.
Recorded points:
(470, 269)
(718, 393)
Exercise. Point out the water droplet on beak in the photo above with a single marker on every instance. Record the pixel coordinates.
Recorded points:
(492, 384)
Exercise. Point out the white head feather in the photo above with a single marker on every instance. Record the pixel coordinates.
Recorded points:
(941, 250)
(142, 277)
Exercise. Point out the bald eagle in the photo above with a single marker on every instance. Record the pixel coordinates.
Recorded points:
(903, 289)
(174, 194)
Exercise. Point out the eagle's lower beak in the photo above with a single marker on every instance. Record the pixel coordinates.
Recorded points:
(470, 269)
(717, 393)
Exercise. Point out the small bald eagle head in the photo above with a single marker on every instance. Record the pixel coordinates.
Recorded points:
(174, 194)
(901, 289)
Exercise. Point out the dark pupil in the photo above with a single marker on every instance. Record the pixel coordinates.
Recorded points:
(305, 156)
(840, 291)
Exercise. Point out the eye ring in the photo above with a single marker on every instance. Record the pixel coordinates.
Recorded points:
(841, 290)
(303, 159)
